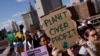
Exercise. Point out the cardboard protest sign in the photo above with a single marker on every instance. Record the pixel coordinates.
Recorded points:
(10, 37)
(40, 51)
(55, 17)
(59, 26)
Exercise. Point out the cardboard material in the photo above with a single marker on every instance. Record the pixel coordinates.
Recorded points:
(59, 26)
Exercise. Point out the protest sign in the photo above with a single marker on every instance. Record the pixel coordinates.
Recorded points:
(18, 35)
(10, 37)
(59, 26)
(40, 51)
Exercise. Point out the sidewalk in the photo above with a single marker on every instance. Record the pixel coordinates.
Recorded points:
(5, 52)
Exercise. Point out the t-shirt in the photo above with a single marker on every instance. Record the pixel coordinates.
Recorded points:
(83, 50)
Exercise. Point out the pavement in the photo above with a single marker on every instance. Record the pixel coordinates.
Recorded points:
(5, 52)
(3, 45)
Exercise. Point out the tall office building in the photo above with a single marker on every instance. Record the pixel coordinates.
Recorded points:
(45, 6)
(15, 26)
(96, 5)
(30, 18)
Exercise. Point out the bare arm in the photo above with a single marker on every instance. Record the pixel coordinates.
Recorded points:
(91, 52)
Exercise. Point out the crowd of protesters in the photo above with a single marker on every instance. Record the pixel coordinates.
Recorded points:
(84, 47)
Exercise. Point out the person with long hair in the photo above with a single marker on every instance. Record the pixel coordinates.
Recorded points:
(88, 47)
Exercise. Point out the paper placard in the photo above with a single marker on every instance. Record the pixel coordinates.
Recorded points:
(40, 51)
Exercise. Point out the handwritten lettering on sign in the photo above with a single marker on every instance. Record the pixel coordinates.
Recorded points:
(60, 28)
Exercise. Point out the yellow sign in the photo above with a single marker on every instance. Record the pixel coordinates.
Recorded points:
(18, 34)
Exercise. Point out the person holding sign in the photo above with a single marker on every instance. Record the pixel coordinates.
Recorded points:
(88, 48)
(44, 41)
(84, 25)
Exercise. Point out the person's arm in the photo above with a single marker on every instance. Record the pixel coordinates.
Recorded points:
(90, 52)
(85, 48)
(56, 52)
(70, 53)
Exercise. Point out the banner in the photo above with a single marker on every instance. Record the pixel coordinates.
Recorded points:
(59, 26)
(10, 37)
(40, 51)
(18, 35)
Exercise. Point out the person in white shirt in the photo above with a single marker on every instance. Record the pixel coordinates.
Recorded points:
(88, 47)
(27, 45)
(39, 33)
(26, 42)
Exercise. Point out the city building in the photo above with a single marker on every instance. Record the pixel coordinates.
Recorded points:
(74, 2)
(83, 9)
(96, 3)
(45, 6)
(15, 26)
(30, 18)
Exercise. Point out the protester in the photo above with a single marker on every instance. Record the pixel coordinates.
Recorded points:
(28, 36)
(39, 33)
(84, 25)
(43, 41)
(27, 41)
(34, 40)
(15, 43)
(88, 47)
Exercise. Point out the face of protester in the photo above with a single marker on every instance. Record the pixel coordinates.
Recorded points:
(43, 41)
(92, 36)
(49, 44)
